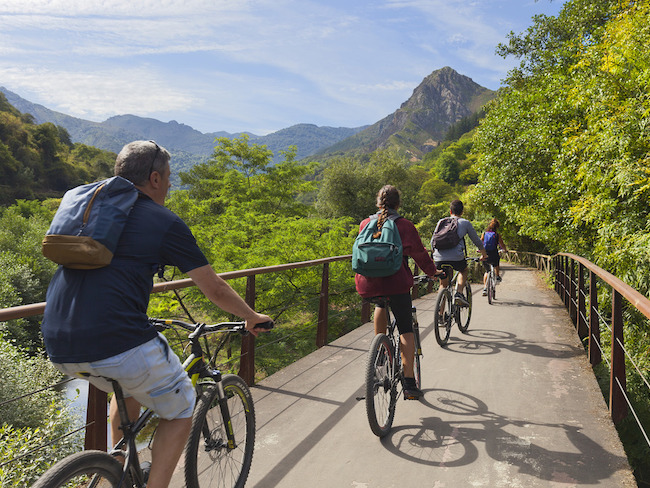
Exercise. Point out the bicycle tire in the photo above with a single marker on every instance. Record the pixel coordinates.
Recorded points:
(418, 352)
(82, 469)
(494, 287)
(381, 387)
(443, 317)
(464, 314)
(209, 461)
(490, 289)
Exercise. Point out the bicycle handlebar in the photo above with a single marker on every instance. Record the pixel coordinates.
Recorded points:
(239, 327)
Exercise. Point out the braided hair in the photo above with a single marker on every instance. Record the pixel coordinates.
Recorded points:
(388, 198)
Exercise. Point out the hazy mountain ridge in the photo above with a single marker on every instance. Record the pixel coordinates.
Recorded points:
(180, 139)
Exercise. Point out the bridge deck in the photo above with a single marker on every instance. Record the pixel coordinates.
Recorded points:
(513, 403)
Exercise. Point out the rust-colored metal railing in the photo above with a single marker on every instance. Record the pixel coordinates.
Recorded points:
(576, 282)
(96, 436)
(575, 278)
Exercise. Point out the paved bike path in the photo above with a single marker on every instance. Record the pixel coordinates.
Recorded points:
(513, 403)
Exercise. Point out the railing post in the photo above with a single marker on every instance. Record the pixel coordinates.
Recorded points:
(415, 290)
(96, 436)
(567, 288)
(573, 295)
(595, 356)
(583, 330)
(247, 360)
(323, 306)
(365, 312)
(617, 382)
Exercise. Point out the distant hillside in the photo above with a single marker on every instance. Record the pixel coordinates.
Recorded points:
(186, 144)
(441, 100)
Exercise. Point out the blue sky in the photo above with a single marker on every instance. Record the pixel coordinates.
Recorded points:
(249, 65)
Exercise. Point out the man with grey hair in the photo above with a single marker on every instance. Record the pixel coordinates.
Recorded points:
(95, 324)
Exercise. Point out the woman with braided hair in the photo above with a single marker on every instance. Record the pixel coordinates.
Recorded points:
(397, 288)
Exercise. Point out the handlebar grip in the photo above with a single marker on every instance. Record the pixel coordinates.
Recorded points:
(268, 325)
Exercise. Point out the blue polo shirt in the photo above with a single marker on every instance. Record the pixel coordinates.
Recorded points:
(95, 314)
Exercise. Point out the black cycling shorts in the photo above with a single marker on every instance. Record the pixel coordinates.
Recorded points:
(493, 257)
(401, 306)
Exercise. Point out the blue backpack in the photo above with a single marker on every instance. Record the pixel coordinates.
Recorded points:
(378, 256)
(89, 222)
(490, 240)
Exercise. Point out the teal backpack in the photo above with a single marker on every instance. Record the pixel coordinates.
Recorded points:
(381, 256)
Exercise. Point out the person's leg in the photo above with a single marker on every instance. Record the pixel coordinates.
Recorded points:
(407, 350)
(462, 279)
(133, 411)
(168, 444)
(380, 320)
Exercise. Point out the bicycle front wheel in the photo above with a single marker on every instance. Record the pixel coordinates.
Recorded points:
(381, 388)
(83, 469)
(418, 351)
(443, 317)
(464, 313)
(209, 460)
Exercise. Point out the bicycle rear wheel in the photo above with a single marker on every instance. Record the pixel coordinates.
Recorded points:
(83, 469)
(443, 318)
(464, 314)
(490, 288)
(381, 388)
(209, 460)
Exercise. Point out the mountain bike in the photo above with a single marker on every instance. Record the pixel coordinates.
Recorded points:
(447, 311)
(384, 370)
(219, 449)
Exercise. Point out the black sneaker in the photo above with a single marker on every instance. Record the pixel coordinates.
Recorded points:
(461, 300)
(411, 391)
(498, 279)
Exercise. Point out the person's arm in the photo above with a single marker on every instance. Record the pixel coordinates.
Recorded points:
(471, 232)
(502, 244)
(223, 296)
(415, 249)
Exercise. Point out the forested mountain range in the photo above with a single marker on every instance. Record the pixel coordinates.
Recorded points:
(442, 99)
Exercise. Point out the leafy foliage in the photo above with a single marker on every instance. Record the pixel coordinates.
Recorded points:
(27, 425)
(564, 149)
(39, 160)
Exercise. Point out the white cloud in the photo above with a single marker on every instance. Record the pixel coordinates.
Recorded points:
(98, 95)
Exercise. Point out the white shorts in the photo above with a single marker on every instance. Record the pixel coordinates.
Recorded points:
(151, 373)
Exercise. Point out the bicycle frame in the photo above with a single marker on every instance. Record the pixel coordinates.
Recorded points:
(196, 369)
(395, 343)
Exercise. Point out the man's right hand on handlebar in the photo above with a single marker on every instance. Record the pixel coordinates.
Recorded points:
(252, 325)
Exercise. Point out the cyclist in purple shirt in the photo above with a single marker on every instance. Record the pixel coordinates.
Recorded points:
(95, 322)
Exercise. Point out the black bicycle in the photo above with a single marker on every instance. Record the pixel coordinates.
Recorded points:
(448, 311)
(384, 374)
(219, 450)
